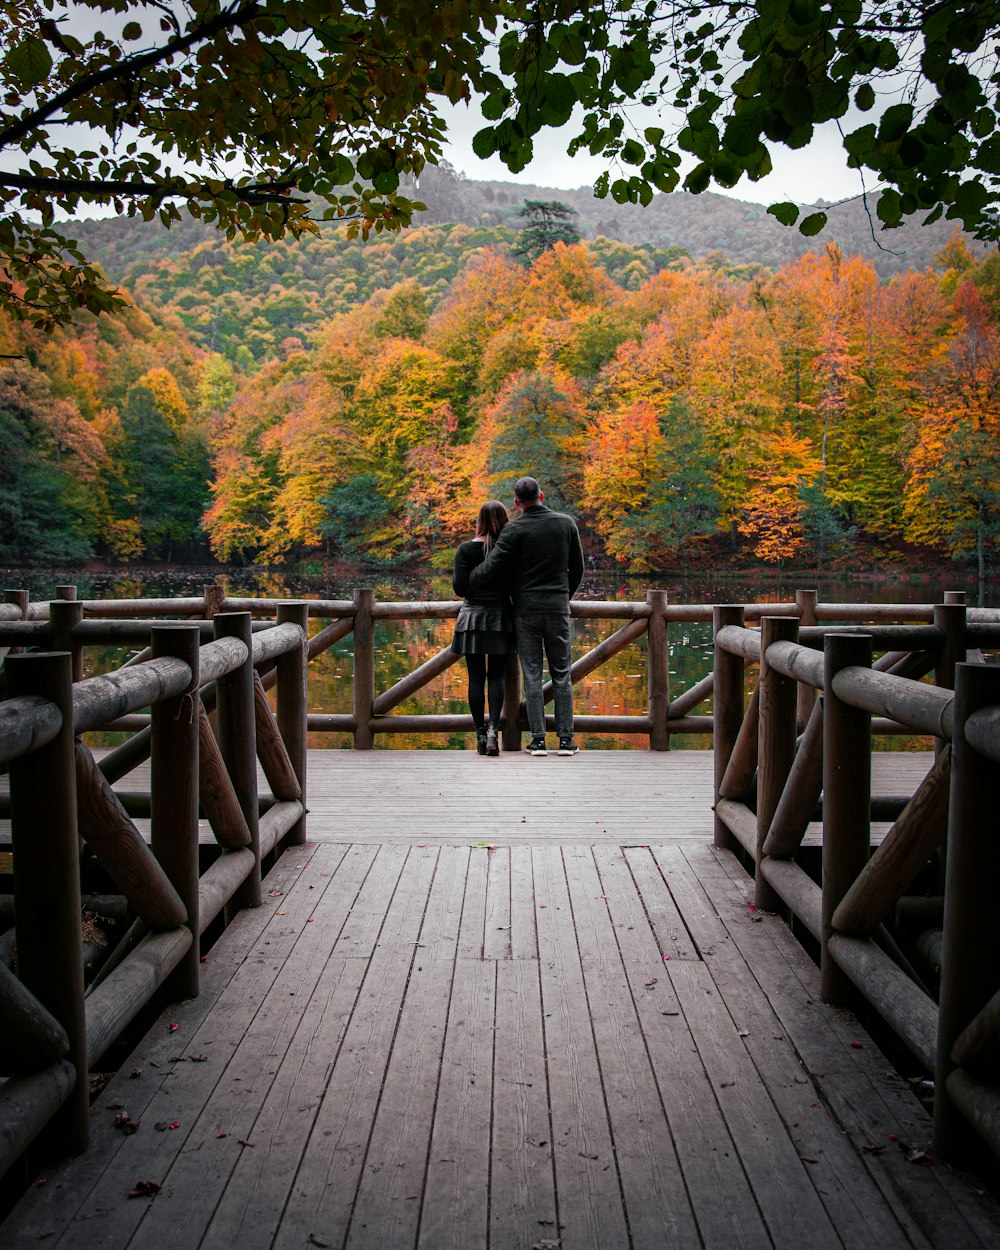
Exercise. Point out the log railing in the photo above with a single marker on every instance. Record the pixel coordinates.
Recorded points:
(126, 622)
(59, 794)
(777, 773)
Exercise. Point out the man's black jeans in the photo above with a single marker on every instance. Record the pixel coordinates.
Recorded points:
(551, 633)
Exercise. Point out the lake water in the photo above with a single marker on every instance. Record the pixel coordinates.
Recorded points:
(616, 688)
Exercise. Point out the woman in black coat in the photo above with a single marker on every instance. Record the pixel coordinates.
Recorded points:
(484, 631)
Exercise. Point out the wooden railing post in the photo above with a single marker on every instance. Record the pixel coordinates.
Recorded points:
(727, 710)
(658, 670)
(806, 697)
(511, 735)
(364, 668)
(293, 705)
(969, 975)
(47, 877)
(949, 617)
(64, 614)
(846, 797)
(20, 599)
(238, 744)
(215, 596)
(174, 790)
(776, 743)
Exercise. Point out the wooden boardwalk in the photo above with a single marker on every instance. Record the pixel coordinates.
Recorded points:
(580, 1037)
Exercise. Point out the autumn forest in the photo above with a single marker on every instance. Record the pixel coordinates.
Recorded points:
(329, 399)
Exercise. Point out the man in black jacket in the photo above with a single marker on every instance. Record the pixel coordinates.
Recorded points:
(540, 555)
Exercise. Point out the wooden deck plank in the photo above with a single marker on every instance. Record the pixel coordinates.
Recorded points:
(720, 1196)
(587, 1181)
(454, 1214)
(523, 927)
(644, 1149)
(522, 1178)
(332, 1164)
(439, 934)
(387, 1205)
(497, 921)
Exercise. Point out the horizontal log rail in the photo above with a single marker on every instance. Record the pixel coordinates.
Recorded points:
(776, 774)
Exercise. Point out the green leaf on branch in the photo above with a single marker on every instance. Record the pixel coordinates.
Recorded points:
(29, 61)
(812, 224)
(787, 213)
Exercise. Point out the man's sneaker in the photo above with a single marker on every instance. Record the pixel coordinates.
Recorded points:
(492, 745)
(537, 747)
(567, 747)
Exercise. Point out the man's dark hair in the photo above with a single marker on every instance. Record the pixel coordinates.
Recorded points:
(526, 490)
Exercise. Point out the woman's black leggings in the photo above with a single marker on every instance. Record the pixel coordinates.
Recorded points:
(486, 671)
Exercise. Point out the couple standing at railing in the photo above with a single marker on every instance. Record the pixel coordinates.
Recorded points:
(516, 578)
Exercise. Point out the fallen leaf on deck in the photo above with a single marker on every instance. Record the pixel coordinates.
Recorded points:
(670, 1013)
(651, 981)
(501, 928)
(726, 1084)
(218, 1135)
(160, 1126)
(244, 1142)
(315, 1241)
(145, 1189)
(42, 1180)
(808, 1159)
(873, 1150)
(857, 1045)
(744, 1032)
(172, 1027)
(125, 1123)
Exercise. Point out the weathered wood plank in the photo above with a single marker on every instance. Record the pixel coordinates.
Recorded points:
(644, 1150)
(720, 1197)
(497, 922)
(522, 1180)
(587, 1180)
(333, 1162)
(454, 1214)
(387, 1206)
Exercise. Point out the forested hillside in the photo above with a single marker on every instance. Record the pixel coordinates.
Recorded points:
(360, 400)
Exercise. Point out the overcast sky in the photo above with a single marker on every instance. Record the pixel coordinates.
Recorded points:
(818, 172)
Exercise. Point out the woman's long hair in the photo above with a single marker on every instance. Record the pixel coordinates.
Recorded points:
(491, 520)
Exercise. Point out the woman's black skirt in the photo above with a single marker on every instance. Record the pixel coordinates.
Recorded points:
(483, 642)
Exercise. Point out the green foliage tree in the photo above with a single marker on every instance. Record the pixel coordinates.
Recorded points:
(37, 523)
(331, 103)
(165, 475)
(548, 223)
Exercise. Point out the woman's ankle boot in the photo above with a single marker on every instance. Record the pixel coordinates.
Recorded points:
(481, 736)
(492, 740)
